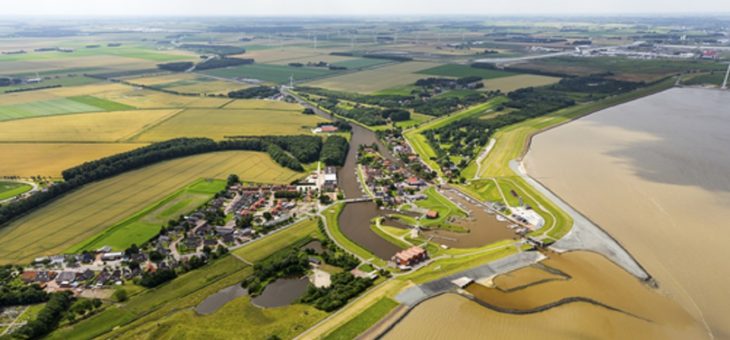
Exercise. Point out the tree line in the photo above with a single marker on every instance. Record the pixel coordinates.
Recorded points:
(334, 150)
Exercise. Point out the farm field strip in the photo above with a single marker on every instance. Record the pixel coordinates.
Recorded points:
(49, 159)
(87, 127)
(91, 209)
(145, 224)
(221, 123)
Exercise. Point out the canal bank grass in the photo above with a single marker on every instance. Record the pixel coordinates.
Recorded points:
(145, 224)
(331, 216)
(90, 210)
(363, 321)
(380, 230)
(238, 319)
(511, 144)
(268, 245)
(445, 208)
(450, 265)
(148, 307)
(419, 142)
(12, 189)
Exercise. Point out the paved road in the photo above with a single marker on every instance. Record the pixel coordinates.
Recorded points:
(31, 183)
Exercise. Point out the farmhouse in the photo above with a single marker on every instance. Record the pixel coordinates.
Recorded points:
(432, 214)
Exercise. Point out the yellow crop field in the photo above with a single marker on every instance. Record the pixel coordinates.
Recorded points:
(255, 104)
(97, 127)
(508, 84)
(49, 159)
(374, 80)
(97, 206)
(218, 124)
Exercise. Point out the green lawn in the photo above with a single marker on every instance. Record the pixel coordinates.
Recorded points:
(12, 189)
(148, 307)
(145, 224)
(138, 52)
(363, 321)
(269, 245)
(459, 71)
(272, 73)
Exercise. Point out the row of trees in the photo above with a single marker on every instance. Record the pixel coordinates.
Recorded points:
(222, 62)
(254, 92)
(334, 150)
(48, 318)
(178, 66)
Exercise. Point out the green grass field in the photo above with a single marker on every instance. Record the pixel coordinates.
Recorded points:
(12, 189)
(271, 73)
(90, 210)
(150, 306)
(103, 104)
(459, 71)
(269, 245)
(363, 321)
(145, 224)
(76, 104)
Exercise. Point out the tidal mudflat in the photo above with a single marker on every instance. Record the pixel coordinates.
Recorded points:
(655, 174)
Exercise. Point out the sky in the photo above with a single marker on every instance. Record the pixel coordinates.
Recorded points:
(356, 7)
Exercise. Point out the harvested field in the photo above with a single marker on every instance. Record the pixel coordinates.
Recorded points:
(49, 159)
(87, 127)
(511, 83)
(90, 210)
(374, 80)
(218, 124)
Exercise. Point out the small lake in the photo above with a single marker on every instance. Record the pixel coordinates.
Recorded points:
(282, 292)
(216, 301)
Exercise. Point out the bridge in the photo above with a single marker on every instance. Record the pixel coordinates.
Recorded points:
(359, 199)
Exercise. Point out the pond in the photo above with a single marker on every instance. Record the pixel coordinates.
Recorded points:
(282, 292)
